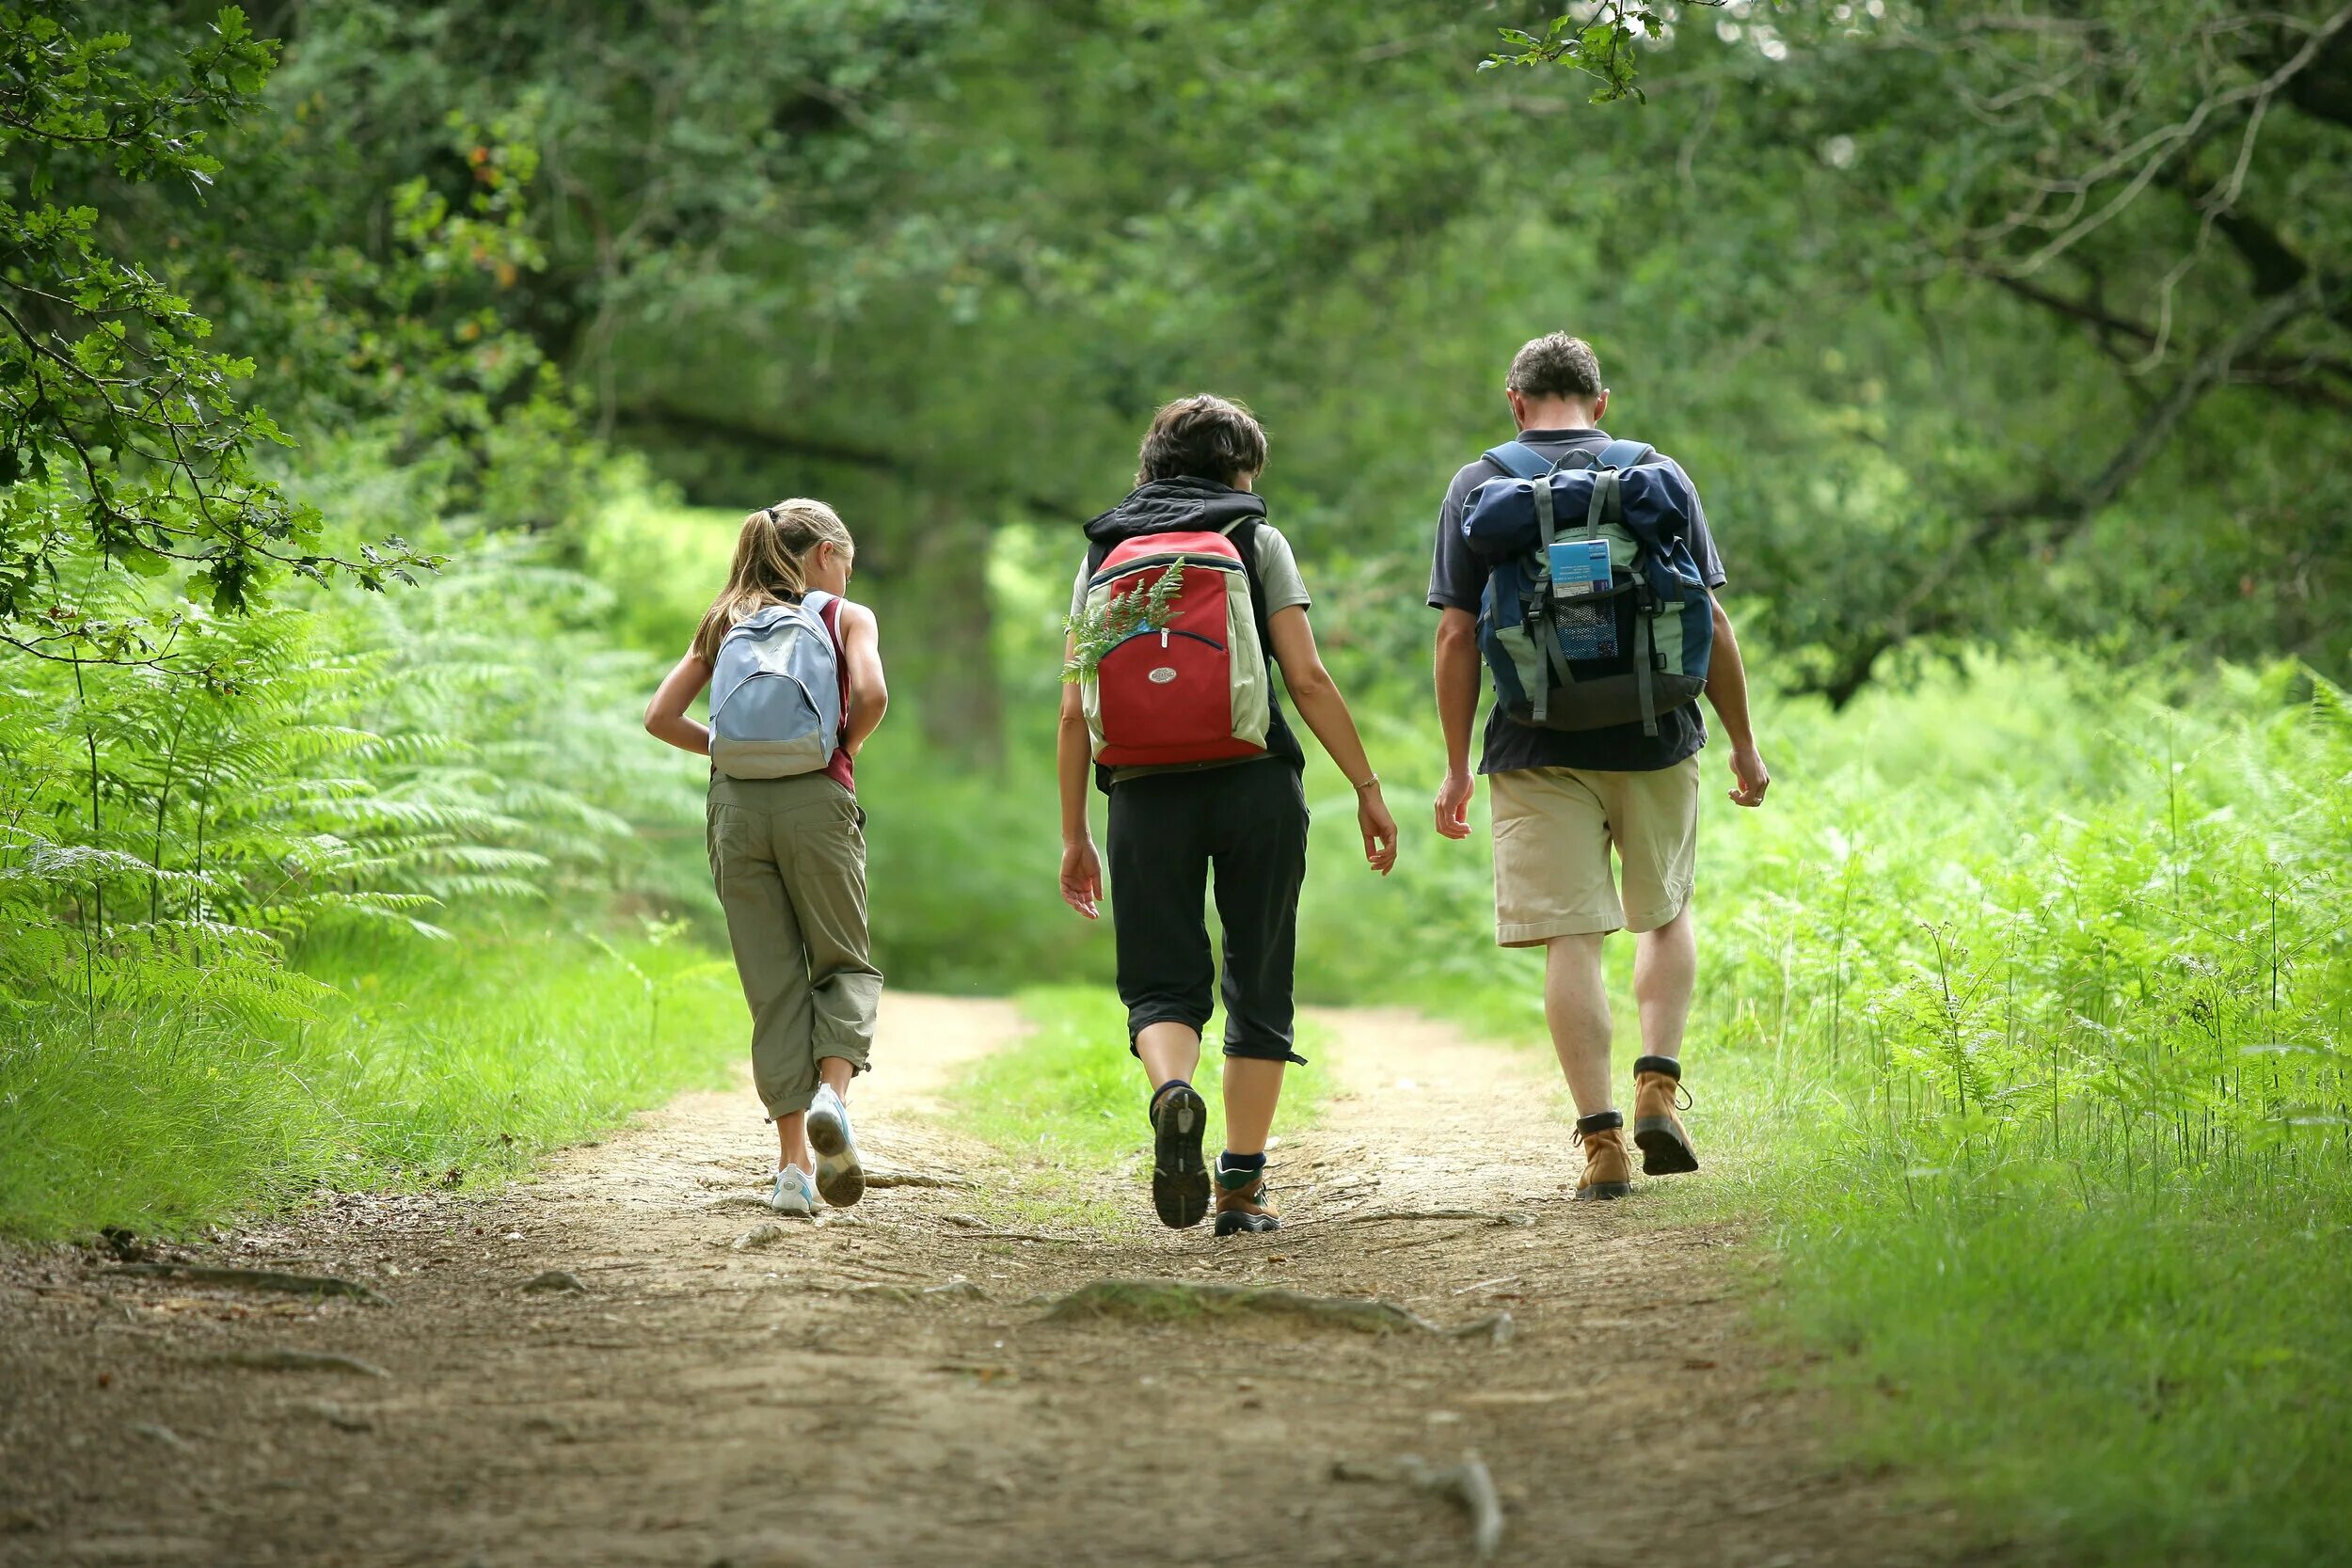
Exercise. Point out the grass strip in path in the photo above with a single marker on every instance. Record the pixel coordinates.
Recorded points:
(1066, 1107)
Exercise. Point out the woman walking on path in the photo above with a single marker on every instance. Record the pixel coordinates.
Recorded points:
(1187, 601)
(796, 678)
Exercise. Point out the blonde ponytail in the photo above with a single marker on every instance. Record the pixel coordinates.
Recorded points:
(770, 566)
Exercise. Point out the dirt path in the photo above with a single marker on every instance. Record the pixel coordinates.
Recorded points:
(818, 1398)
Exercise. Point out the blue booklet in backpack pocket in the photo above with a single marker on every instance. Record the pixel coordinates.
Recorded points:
(1580, 569)
(1579, 566)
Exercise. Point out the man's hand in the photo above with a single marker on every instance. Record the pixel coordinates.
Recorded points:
(1749, 778)
(1454, 798)
(1379, 828)
(1082, 879)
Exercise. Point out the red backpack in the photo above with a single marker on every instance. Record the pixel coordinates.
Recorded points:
(1188, 684)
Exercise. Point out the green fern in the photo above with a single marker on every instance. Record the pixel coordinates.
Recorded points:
(1095, 633)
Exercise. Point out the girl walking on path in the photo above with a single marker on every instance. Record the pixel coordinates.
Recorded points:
(798, 689)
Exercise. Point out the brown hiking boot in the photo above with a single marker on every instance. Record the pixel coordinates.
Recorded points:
(1658, 1130)
(1606, 1172)
(1245, 1207)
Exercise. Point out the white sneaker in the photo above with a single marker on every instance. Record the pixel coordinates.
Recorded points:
(795, 1195)
(839, 1175)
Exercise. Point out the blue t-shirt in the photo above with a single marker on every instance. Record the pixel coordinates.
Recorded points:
(1458, 578)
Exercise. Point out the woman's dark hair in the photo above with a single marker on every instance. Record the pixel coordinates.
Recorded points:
(1201, 438)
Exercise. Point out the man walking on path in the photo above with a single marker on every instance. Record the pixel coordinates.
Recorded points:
(1564, 797)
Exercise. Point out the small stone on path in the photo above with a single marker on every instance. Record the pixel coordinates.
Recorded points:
(555, 1280)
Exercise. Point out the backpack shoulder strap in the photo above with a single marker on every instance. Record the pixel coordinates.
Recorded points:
(1519, 460)
(1626, 455)
(818, 602)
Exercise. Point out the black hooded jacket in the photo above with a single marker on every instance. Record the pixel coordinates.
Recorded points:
(1187, 506)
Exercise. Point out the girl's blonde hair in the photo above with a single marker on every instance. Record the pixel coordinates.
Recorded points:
(769, 566)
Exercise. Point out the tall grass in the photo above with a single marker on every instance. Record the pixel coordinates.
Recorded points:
(2028, 994)
(269, 905)
(410, 1065)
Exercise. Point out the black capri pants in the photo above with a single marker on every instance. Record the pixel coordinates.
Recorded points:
(1167, 832)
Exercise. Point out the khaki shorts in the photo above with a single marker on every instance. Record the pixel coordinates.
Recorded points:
(1553, 831)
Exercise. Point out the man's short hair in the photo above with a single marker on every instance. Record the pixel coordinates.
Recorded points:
(1201, 438)
(1555, 366)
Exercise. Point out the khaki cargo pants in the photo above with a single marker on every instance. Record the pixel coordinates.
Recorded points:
(788, 856)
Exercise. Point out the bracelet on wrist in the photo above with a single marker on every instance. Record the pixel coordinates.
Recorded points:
(1368, 784)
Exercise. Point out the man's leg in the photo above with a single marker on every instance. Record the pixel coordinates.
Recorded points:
(1552, 887)
(1576, 1005)
(1666, 968)
(1654, 818)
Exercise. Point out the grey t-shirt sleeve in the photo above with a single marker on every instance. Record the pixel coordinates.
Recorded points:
(1277, 571)
(1458, 578)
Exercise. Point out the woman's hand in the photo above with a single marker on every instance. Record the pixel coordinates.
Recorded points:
(1379, 828)
(1082, 879)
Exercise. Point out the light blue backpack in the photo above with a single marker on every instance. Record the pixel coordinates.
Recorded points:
(775, 693)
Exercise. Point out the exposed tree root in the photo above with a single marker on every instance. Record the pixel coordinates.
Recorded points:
(1165, 1299)
(254, 1280)
(1469, 1485)
(915, 1179)
(1480, 1214)
(277, 1359)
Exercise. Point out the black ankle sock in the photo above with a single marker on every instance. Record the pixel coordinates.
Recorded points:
(1246, 1167)
(1153, 1106)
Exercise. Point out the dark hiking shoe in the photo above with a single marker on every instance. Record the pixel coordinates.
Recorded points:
(1608, 1174)
(1180, 1174)
(1242, 1204)
(1658, 1130)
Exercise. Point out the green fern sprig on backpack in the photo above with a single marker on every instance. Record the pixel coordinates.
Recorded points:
(1095, 633)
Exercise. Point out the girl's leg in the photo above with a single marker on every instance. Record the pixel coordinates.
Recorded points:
(837, 1071)
(765, 934)
(792, 1142)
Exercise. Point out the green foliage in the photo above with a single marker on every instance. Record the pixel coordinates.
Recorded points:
(165, 828)
(413, 1065)
(1600, 44)
(122, 434)
(2031, 992)
(1093, 633)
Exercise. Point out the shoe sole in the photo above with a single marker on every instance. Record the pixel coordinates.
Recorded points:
(840, 1180)
(1666, 1150)
(1247, 1224)
(1604, 1190)
(1180, 1176)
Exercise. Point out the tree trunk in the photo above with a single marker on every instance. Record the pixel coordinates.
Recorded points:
(944, 620)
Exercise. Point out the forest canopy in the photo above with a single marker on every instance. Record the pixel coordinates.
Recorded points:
(1973, 321)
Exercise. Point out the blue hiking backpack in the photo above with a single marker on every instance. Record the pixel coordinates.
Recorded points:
(1596, 613)
(775, 693)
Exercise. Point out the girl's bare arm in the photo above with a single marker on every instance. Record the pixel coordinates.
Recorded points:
(869, 695)
(665, 716)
